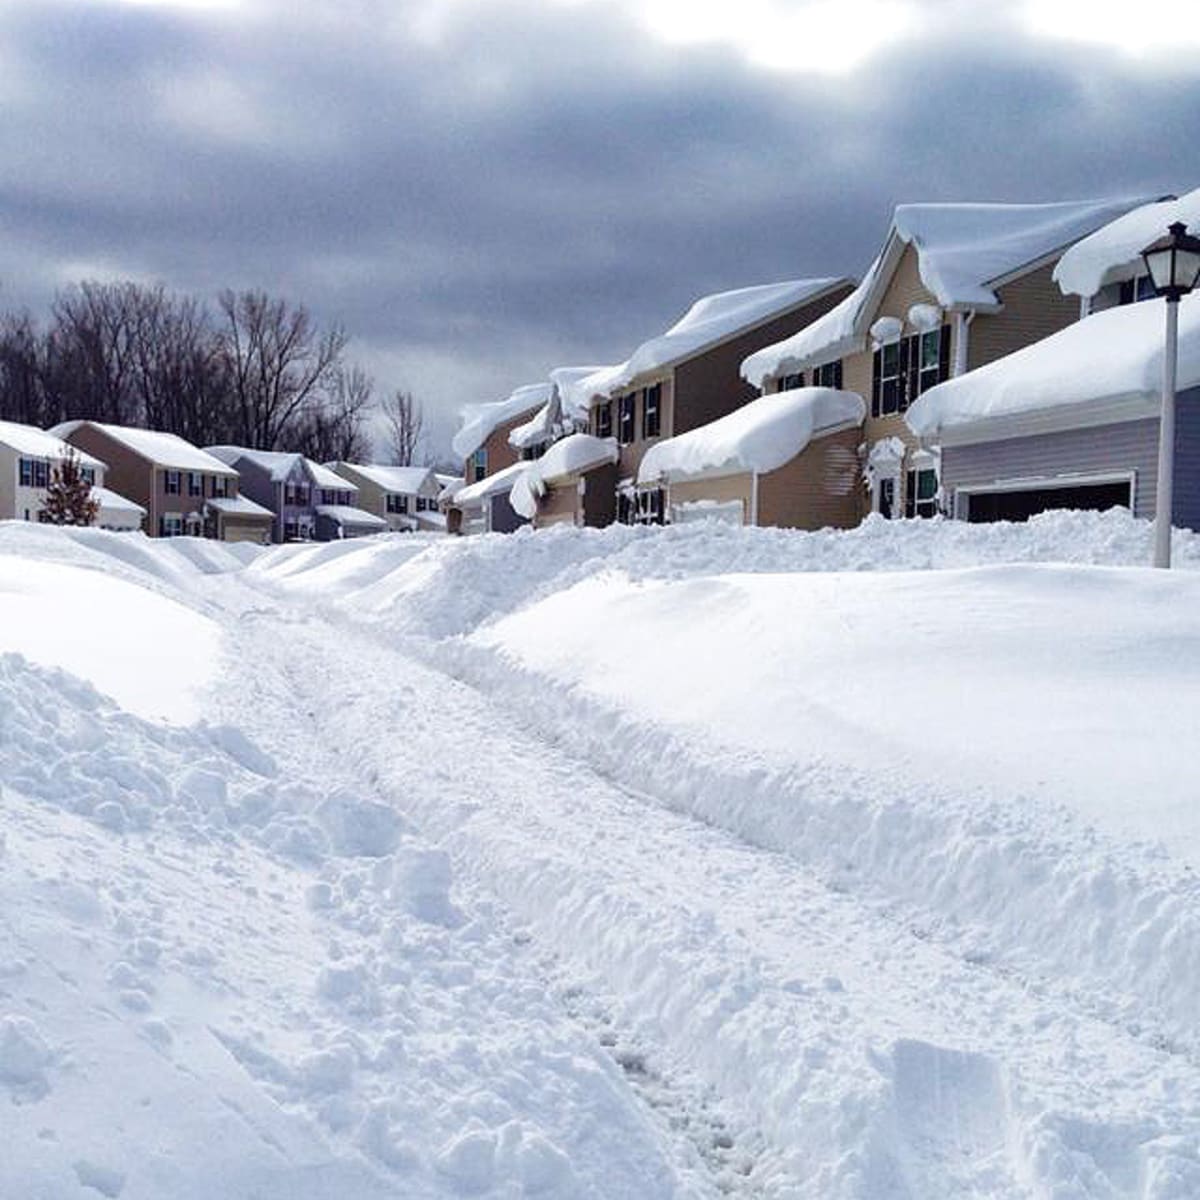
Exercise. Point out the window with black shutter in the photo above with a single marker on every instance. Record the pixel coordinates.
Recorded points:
(625, 418)
(27, 472)
(876, 382)
(651, 404)
(788, 382)
(604, 420)
(890, 378)
(828, 375)
(921, 493)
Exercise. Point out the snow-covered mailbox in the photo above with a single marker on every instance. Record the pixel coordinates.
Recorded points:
(573, 483)
(689, 376)
(1071, 421)
(955, 286)
(788, 458)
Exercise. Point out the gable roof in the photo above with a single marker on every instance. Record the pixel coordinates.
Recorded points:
(409, 480)
(480, 421)
(1112, 359)
(710, 321)
(279, 464)
(1114, 251)
(37, 443)
(162, 449)
(964, 252)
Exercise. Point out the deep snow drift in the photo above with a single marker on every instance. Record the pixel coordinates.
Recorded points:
(683, 862)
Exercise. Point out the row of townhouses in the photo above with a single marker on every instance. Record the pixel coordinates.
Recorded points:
(146, 479)
(994, 361)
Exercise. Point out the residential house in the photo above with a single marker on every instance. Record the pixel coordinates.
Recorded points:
(1073, 421)
(789, 459)
(406, 498)
(482, 439)
(573, 482)
(295, 490)
(689, 376)
(183, 489)
(485, 506)
(955, 286)
(28, 459)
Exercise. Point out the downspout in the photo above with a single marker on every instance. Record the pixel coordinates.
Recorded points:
(754, 498)
(962, 340)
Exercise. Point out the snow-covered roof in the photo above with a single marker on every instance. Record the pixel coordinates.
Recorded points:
(1111, 357)
(450, 485)
(760, 436)
(162, 449)
(1114, 251)
(279, 464)
(962, 251)
(491, 485)
(539, 428)
(239, 506)
(344, 514)
(573, 455)
(710, 321)
(323, 477)
(406, 480)
(37, 443)
(574, 398)
(111, 501)
(479, 421)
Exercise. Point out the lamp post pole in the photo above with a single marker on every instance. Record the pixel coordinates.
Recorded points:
(1165, 491)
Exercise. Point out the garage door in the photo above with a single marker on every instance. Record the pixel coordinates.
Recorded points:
(1021, 505)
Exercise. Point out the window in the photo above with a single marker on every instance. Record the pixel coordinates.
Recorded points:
(26, 467)
(422, 504)
(903, 369)
(89, 475)
(171, 483)
(827, 375)
(397, 503)
(887, 496)
(921, 493)
(794, 380)
(170, 524)
(625, 417)
(35, 472)
(529, 453)
(479, 464)
(1134, 290)
(650, 506)
(626, 508)
(651, 406)
(885, 380)
(220, 485)
(195, 484)
(604, 420)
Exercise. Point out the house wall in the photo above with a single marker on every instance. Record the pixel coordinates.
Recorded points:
(1034, 308)
(1129, 446)
(128, 473)
(499, 453)
(561, 505)
(723, 489)
(17, 500)
(821, 486)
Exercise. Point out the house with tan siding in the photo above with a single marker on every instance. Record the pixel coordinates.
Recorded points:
(183, 489)
(689, 376)
(954, 287)
(574, 482)
(405, 497)
(787, 459)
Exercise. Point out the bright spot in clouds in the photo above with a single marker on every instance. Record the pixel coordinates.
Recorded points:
(1149, 26)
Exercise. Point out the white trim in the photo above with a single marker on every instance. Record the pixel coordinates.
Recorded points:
(1032, 483)
(1112, 411)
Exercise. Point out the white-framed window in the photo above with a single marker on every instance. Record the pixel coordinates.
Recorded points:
(479, 464)
(397, 503)
(603, 419)
(826, 375)
(195, 484)
(652, 410)
(34, 472)
(170, 525)
(921, 492)
(171, 481)
(626, 410)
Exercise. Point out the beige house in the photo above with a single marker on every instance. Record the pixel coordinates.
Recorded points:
(571, 483)
(405, 497)
(689, 376)
(183, 489)
(787, 459)
(955, 286)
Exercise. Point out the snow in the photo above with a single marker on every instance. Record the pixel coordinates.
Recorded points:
(406, 480)
(962, 250)
(573, 395)
(111, 501)
(712, 319)
(687, 862)
(498, 483)
(1114, 356)
(480, 421)
(760, 436)
(539, 428)
(31, 442)
(1115, 250)
(571, 456)
(163, 449)
(238, 506)
(345, 514)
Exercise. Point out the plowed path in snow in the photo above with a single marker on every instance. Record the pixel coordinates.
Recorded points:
(841, 1053)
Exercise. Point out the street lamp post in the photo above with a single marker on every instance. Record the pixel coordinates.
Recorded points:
(1174, 265)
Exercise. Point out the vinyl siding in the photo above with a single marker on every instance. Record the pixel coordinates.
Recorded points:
(723, 490)
(819, 487)
(559, 506)
(1034, 308)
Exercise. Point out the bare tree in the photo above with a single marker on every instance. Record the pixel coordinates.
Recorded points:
(405, 422)
(22, 372)
(277, 360)
(330, 429)
(69, 499)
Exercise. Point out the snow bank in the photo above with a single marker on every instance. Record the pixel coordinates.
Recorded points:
(962, 249)
(1115, 250)
(760, 436)
(710, 320)
(1111, 357)
(479, 421)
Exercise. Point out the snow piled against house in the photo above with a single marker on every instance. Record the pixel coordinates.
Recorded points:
(760, 436)
(684, 862)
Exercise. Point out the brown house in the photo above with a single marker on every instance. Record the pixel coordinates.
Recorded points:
(955, 286)
(183, 489)
(482, 440)
(689, 376)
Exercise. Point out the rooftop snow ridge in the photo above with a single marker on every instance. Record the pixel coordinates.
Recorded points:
(480, 421)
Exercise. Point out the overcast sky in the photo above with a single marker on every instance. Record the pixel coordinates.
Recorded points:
(481, 190)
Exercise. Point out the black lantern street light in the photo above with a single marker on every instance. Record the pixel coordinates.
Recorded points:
(1174, 265)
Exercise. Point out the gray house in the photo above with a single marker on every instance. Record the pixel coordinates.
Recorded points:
(309, 501)
(1070, 421)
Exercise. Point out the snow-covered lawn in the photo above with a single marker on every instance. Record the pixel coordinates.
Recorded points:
(623, 863)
